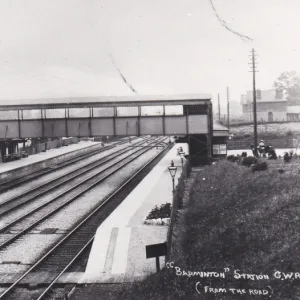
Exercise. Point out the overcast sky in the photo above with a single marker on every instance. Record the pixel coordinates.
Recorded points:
(58, 48)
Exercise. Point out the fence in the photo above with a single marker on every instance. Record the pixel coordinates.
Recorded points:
(242, 123)
(246, 143)
(42, 147)
(177, 203)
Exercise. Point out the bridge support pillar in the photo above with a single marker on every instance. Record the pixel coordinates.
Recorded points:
(3, 150)
(199, 152)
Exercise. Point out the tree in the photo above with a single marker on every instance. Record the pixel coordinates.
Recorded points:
(289, 84)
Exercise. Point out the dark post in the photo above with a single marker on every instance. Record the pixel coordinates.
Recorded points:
(209, 136)
(114, 120)
(79, 129)
(173, 181)
(139, 121)
(163, 116)
(90, 121)
(228, 113)
(254, 101)
(66, 122)
(157, 264)
(156, 251)
(219, 110)
(19, 124)
(43, 127)
(3, 150)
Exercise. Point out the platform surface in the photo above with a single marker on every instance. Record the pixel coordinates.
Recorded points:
(9, 166)
(118, 252)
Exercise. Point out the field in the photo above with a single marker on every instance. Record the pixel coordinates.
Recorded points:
(235, 220)
(275, 129)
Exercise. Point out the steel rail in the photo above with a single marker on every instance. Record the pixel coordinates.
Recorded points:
(60, 195)
(93, 165)
(47, 170)
(74, 230)
(42, 296)
(53, 211)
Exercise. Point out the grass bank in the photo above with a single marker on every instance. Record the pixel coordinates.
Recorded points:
(236, 219)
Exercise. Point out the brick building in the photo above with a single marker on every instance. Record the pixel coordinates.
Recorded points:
(271, 106)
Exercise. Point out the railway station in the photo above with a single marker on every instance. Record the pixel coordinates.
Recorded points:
(121, 178)
(93, 195)
(90, 117)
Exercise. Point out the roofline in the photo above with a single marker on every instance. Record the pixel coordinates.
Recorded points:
(221, 133)
(106, 101)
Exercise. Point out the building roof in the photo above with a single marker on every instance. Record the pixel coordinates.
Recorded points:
(220, 130)
(218, 126)
(106, 101)
(266, 96)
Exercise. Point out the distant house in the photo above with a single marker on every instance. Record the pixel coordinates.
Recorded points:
(293, 113)
(271, 106)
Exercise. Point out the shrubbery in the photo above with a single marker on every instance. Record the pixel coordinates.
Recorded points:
(232, 158)
(259, 166)
(164, 211)
(249, 160)
(236, 219)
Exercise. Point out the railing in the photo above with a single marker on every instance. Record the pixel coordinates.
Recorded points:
(177, 204)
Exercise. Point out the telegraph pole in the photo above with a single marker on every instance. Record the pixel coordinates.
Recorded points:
(219, 110)
(253, 67)
(228, 116)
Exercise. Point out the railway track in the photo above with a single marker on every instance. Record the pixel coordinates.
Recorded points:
(19, 200)
(10, 184)
(36, 216)
(71, 247)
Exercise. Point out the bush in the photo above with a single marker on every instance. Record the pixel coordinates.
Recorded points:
(233, 158)
(249, 160)
(164, 211)
(230, 157)
(259, 166)
(287, 157)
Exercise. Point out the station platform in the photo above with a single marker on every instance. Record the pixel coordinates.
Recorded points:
(4, 167)
(118, 252)
(41, 160)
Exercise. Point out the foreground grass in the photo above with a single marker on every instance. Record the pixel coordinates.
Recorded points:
(236, 219)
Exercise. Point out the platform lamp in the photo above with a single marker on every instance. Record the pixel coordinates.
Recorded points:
(172, 170)
(181, 153)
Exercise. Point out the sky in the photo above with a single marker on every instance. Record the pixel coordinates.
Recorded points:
(63, 48)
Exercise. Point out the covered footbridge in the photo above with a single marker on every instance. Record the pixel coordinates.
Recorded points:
(180, 115)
